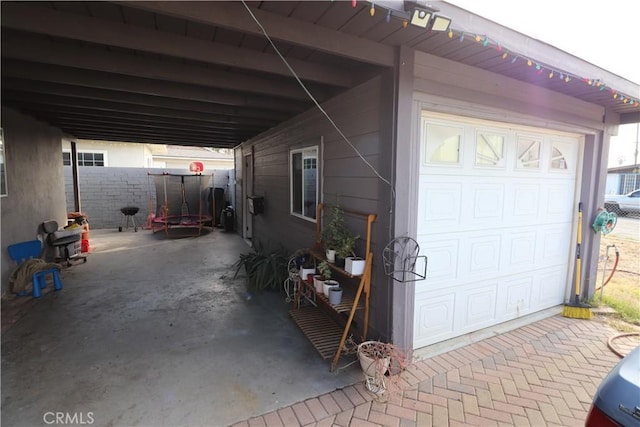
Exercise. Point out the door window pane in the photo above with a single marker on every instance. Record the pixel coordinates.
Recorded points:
(443, 144)
(528, 152)
(304, 182)
(489, 149)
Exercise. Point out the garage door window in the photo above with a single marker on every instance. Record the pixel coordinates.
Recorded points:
(528, 152)
(443, 144)
(557, 158)
(304, 182)
(489, 149)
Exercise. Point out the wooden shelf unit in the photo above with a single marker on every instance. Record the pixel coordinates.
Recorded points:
(322, 323)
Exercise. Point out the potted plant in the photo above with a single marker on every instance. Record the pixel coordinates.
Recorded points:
(325, 274)
(345, 246)
(266, 268)
(338, 241)
(307, 267)
(332, 233)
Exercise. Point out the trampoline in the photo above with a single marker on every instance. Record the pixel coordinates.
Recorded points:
(182, 202)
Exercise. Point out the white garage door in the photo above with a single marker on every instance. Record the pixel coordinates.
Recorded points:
(495, 217)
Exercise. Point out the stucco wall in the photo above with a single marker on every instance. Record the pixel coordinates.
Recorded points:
(103, 191)
(35, 182)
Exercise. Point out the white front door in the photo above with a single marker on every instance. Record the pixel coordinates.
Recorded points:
(495, 218)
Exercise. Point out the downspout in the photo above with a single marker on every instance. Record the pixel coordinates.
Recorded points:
(76, 178)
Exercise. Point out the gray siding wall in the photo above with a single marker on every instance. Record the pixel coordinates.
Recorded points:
(364, 114)
(103, 191)
(35, 183)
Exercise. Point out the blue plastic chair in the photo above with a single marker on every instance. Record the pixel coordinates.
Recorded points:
(20, 252)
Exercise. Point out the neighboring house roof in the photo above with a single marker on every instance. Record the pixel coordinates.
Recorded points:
(625, 169)
(201, 153)
(203, 73)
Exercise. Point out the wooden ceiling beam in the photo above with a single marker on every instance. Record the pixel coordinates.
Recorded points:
(214, 121)
(95, 98)
(115, 118)
(21, 16)
(234, 16)
(123, 64)
(60, 82)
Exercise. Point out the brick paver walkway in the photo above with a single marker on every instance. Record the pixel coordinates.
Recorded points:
(542, 374)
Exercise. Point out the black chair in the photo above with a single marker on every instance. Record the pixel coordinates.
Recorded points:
(67, 241)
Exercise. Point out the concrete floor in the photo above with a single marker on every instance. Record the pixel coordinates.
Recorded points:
(155, 331)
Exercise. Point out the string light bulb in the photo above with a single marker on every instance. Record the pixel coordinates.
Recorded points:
(486, 41)
(388, 18)
(529, 63)
(504, 55)
(450, 33)
(461, 37)
(372, 11)
(551, 74)
(405, 23)
(478, 38)
(353, 3)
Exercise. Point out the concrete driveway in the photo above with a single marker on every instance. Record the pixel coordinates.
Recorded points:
(154, 331)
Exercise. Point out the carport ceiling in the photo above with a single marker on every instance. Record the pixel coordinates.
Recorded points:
(201, 73)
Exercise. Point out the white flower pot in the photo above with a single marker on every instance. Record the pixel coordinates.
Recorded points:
(354, 265)
(331, 255)
(328, 284)
(318, 283)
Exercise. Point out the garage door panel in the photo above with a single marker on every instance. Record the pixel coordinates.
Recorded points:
(476, 306)
(483, 204)
(481, 256)
(557, 202)
(514, 297)
(439, 204)
(520, 250)
(442, 266)
(433, 317)
(521, 202)
(553, 249)
(549, 285)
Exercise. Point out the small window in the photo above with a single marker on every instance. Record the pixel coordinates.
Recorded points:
(3, 169)
(66, 158)
(304, 182)
(443, 144)
(90, 159)
(528, 152)
(489, 149)
(557, 158)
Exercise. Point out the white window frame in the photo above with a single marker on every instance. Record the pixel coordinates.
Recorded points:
(303, 151)
(103, 152)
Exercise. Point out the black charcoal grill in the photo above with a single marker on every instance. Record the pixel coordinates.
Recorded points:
(128, 213)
